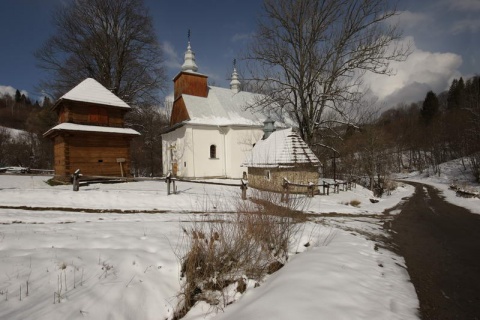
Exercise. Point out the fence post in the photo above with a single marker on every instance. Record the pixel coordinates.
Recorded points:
(168, 181)
(76, 180)
(285, 190)
(243, 187)
(310, 189)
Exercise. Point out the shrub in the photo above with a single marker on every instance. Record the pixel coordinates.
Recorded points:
(223, 251)
(355, 203)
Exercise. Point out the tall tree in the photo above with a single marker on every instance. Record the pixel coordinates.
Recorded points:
(18, 96)
(456, 95)
(310, 56)
(430, 107)
(112, 41)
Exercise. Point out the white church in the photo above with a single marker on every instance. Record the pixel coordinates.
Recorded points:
(211, 130)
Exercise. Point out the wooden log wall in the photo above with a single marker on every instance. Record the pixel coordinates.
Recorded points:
(91, 114)
(301, 175)
(93, 154)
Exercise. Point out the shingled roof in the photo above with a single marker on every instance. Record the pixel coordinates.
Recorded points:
(283, 148)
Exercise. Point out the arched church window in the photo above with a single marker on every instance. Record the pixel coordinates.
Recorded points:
(213, 151)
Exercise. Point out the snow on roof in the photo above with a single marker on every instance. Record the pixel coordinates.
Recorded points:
(89, 90)
(224, 107)
(66, 126)
(283, 148)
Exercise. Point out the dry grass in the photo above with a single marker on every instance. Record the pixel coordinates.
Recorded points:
(355, 203)
(222, 252)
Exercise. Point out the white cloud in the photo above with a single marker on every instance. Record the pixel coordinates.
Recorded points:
(172, 58)
(466, 25)
(411, 20)
(463, 5)
(421, 72)
(4, 90)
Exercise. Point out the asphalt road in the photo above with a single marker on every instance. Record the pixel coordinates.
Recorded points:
(441, 246)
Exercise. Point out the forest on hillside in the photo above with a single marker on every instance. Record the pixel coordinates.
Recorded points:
(416, 136)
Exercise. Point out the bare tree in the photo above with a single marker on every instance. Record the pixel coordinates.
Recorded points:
(112, 41)
(147, 149)
(309, 56)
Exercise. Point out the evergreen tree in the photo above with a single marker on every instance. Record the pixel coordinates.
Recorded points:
(18, 96)
(456, 95)
(46, 102)
(23, 99)
(430, 107)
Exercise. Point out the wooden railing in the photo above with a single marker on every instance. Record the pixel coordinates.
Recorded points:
(336, 186)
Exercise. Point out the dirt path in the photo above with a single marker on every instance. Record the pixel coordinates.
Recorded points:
(441, 246)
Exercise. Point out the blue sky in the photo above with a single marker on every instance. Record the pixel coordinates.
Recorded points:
(443, 33)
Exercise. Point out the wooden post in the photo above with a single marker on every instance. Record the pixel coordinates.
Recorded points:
(285, 190)
(334, 167)
(310, 189)
(243, 187)
(173, 186)
(120, 161)
(168, 181)
(76, 180)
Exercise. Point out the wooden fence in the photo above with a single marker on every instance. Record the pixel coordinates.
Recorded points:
(79, 179)
(345, 185)
(336, 186)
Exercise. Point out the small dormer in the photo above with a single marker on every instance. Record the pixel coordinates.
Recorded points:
(189, 81)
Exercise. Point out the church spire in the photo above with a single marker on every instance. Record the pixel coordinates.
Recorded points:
(189, 63)
(235, 83)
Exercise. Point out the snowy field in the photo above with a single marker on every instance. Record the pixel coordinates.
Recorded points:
(60, 263)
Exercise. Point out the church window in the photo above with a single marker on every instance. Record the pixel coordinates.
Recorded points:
(213, 151)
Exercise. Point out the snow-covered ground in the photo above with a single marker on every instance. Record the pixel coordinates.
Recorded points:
(94, 265)
(33, 192)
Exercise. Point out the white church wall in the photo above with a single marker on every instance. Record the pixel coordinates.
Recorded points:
(189, 148)
(203, 137)
(240, 142)
(177, 150)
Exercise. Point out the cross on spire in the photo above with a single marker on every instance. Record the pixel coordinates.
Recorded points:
(188, 35)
